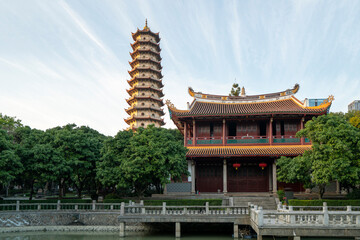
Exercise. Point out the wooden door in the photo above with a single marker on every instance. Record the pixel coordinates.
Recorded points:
(249, 178)
(209, 177)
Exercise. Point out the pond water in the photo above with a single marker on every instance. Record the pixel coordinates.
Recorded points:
(113, 236)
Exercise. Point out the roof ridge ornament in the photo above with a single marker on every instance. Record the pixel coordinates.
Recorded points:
(243, 97)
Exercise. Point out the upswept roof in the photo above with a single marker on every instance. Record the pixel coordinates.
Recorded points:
(145, 30)
(247, 151)
(274, 103)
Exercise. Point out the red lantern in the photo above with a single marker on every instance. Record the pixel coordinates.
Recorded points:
(236, 165)
(262, 165)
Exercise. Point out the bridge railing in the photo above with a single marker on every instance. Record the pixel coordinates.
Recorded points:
(183, 210)
(59, 206)
(339, 216)
(128, 209)
(316, 208)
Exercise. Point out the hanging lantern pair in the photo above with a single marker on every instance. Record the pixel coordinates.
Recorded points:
(262, 165)
(236, 165)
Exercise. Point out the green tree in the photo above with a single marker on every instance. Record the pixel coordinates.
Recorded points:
(354, 118)
(10, 164)
(235, 90)
(9, 124)
(334, 154)
(294, 170)
(112, 154)
(39, 158)
(80, 148)
(148, 157)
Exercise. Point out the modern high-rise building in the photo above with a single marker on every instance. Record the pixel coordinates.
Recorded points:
(145, 81)
(355, 105)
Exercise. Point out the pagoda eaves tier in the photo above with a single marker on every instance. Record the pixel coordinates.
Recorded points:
(145, 81)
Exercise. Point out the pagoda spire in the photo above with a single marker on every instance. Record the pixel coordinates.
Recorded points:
(146, 26)
(145, 81)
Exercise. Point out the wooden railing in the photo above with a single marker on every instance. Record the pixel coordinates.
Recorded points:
(247, 139)
(286, 139)
(209, 140)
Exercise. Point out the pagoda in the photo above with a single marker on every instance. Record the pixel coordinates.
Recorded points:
(233, 142)
(145, 81)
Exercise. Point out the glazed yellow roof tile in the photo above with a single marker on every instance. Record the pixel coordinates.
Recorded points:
(222, 151)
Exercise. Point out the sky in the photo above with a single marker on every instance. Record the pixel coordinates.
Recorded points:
(67, 61)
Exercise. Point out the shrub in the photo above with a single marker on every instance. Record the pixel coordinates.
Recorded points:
(116, 200)
(281, 195)
(355, 194)
(297, 202)
(112, 196)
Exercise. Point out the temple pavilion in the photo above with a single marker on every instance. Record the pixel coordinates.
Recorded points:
(233, 141)
(145, 81)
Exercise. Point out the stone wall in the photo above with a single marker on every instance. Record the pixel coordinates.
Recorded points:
(97, 221)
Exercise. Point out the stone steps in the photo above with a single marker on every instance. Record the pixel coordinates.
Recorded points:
(266, 202)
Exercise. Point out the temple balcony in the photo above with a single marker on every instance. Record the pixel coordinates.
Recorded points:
(247, 140)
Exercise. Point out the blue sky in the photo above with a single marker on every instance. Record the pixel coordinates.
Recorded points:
(67, 61)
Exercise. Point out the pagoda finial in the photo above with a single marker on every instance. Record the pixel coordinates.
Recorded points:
(146, 26)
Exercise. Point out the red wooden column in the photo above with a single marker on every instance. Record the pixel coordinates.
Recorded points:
(302, 140)
(185, 134)
(223, 132)
(194, 132)
(271, 132)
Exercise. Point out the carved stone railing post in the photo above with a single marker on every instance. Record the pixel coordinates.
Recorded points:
(207, 208)
(122, 208)
(93, 205)
(260, 217)
(58, 207)
(142, 209)
(163, 212)
(348, 216)
(231, 201)
(325, 215)
(292, 217)
(17, 205)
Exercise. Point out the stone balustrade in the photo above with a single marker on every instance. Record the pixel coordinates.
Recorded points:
(305, 216)
(128, 209)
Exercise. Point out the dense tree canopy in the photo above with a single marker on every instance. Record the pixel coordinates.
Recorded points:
(335, 154)
(79, 150)
(138, 160)
(9, 124)
(10, 164)
(83, 159)
(354, 118)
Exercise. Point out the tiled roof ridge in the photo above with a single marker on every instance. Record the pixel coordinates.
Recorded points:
(214, 97)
